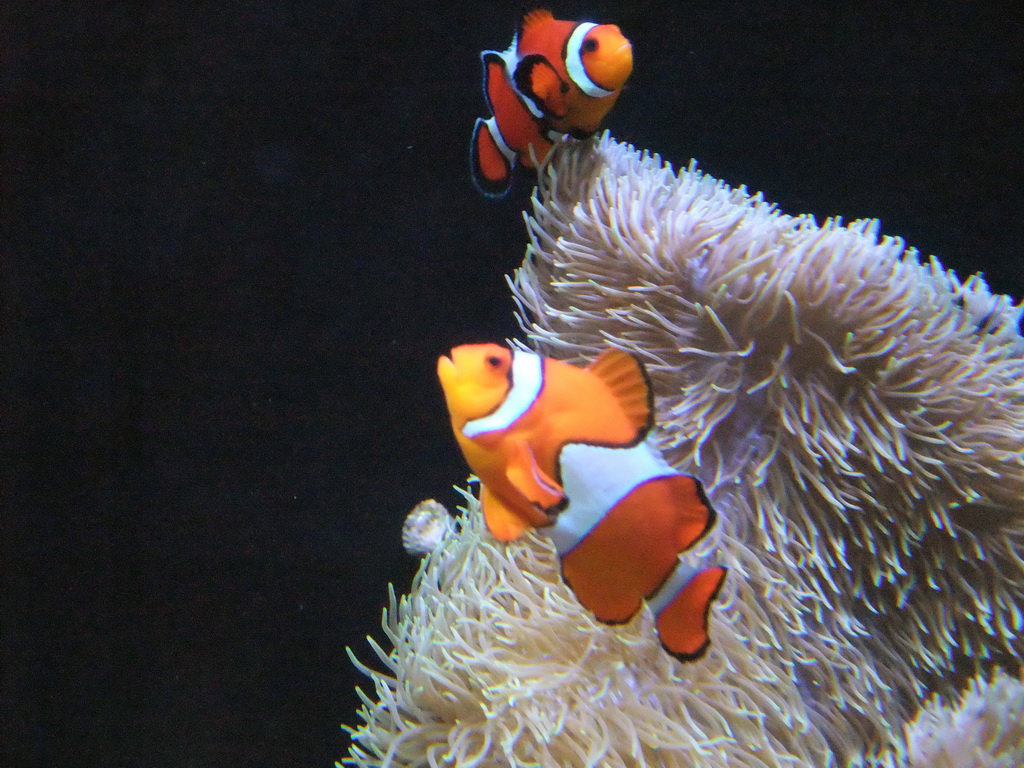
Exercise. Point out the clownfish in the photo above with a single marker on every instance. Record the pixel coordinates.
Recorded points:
(564, 450)
(557, 78)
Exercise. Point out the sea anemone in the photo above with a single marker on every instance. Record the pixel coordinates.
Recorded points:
(857, 418)
(858, 415)
(495, 663)
(984, 730)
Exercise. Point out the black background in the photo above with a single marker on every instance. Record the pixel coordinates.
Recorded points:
(238, 234)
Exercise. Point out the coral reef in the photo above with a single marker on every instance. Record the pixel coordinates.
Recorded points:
(858, 420)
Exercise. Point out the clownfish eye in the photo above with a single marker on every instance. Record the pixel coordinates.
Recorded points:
(494, 361)
(589, 45)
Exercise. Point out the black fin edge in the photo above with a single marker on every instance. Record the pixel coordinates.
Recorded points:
(494, 190)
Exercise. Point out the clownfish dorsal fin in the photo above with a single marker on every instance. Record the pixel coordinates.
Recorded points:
(534, 17)
(625, 377)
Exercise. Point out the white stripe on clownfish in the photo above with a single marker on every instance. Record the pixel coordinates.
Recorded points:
(512, 59)
(527, 381)
(574, 63)
(595, 479)
(499, 140)
(681, 576)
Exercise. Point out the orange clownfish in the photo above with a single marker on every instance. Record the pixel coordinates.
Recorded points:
(557, 78)
(564, 450)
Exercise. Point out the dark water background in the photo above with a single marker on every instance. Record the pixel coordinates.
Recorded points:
(236, 235)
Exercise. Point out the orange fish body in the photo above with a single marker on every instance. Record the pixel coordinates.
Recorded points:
(557, 78)
(628, 518)
(563, 449)
(594, 60)
(497, 148)
(511, 436)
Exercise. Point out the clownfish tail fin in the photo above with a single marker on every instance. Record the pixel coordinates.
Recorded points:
(681, 613)
(489, 159)
(625, 376)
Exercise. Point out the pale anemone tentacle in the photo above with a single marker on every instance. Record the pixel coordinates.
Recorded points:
(984, 729)
(495, 663)
(857, 418)
(863, 411)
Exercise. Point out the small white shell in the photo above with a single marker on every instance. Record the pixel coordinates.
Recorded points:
(425, 527)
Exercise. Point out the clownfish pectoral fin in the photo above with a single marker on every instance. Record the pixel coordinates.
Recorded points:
(490, 159)
(682, 622)
(529, 479)
(538, 81)
(624, 375)
(502, 522)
